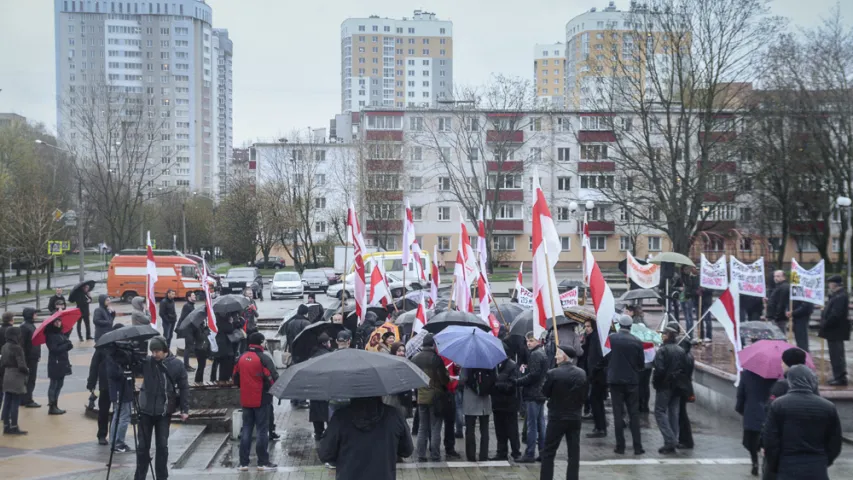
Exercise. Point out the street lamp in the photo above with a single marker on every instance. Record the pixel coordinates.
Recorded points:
(845, 203)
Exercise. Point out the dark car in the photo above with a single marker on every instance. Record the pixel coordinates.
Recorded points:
(331, 276)
(276, 263)
(315, 280)
(202, 263)
(239, 278)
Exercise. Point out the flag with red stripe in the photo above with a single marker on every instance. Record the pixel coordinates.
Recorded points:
(420, 317)
(461, 294)
(208, 304)
(546, 252)
(408, 233)
(379, 292)
(483, 290)
(359, 281)
(602, 296)
(150, 281)
(726, 310)
(435, 279)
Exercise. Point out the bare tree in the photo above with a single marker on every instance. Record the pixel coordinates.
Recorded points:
(237, 223)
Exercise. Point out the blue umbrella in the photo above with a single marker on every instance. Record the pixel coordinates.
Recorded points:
(470, 347)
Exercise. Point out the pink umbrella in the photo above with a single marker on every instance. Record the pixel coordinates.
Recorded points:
(69, 318)
(764, 358)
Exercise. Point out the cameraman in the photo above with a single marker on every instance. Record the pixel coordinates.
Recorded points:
(164, 390)
(120, 361)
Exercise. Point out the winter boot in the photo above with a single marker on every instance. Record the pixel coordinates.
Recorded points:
(54, 410)
(16, 431)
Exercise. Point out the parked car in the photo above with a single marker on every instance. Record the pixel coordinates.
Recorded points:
(202, 263)
(315, 280)
(331, 276)
(276, 263)
(286, 284)
(239, 278)
(395, 283)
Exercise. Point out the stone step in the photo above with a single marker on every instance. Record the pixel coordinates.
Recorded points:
(181, 446)
(202, 457)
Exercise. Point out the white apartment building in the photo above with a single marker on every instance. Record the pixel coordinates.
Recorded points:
(549, 73)
(387, 62)
(224, 51)
(159, 53)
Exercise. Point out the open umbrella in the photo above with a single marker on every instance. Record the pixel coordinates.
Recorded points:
(757, 330)
(578, 314)
(646, 334)
(470, 347)
(523, 323)
(415, 344)
(133, 333)
(639, 294)
(69, 318)
(764, 358)
(349, 373)
(197, 317)
(510, 311)
(305, 341)
(452, 317)
(77, 290)
(230, 304)
(672, 257)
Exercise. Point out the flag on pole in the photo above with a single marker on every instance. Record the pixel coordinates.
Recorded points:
(379, 293)
(408, 233)
(468, 257)
(602, 296)
(420, 317)
(546, 252)
(416, 255)
(150, 280)
(211, 319)
(726, 310)
(518, 280)
(461, 294)
(585, 246)
(435, 278)
(355, 237)
(483, 290)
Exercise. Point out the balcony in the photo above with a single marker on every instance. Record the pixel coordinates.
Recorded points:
(590, 136)
(384, 225)
(601, 226)
(384, 165)
(716, 225)
(718, 167)
(376, 195)
(592, 167)
(807, 226)
(506, 166)
(506, 195)
(719, 196)
(508, 226)
(384, 136)
(499, 136)
(715, 137)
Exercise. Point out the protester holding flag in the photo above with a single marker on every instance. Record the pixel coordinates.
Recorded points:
(627, 362)
(835, 329)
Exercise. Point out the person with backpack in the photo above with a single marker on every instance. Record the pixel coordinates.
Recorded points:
(477, 405)
(255, 373)
(670, 381)
(505, 404)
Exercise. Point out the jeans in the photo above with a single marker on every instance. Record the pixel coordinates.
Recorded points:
(103, 413)
(121, 420)
(429, 431)
(667, 405)
(837, 358)
(168, 330)
(557, 429)
(159, 427)
(801, 333)
(626, 397)
(471, 440)
(33, 365)
(535, 427)
(597, 394)
(687, 308)
(53, 390)
(506, 430)
(460, 418)
(11, 403)
(255, 418)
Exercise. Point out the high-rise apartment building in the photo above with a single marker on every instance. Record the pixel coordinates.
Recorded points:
(396, 63)
(224, 49)
(549, 72)
(159, 55)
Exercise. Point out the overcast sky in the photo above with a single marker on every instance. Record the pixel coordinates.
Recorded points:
(287, 53)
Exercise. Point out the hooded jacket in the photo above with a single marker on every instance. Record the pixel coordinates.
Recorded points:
(28, 329)
(102, 318)
(58, 345)
(432, 365)
(162, 379)
(138, 316)
(13, 364)
(255, 373)
(364, 440)
(802, 433)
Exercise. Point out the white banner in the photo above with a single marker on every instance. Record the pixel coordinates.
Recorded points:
(525, 297)
(570, 298)
(713, 275)
(749, 277)
(646, 276)
(808, 285)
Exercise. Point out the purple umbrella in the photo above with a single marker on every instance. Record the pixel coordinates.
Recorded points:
(764, 358)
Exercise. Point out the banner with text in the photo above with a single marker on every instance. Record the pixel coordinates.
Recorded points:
(808, 285)
(749, 277)
(525, 297)
(713, 275)
(646, 276)
(567, 299)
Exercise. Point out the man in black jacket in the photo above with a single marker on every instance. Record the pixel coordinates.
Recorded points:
(790, 357)
(189, 337)
(800, 317)
(103, 317)
(802, 433)
(531, 382)
(33, 355)
(777, 304)
(98, 378)
(670, 381)
(505, 410)
(835, 329)
(566, 389)
(623, 376)
(168, 315)
(595, 365)
(51, 304)
(164, 382)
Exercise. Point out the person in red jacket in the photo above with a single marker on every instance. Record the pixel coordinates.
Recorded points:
(255, 373)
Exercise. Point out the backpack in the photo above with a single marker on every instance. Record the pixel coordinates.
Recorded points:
(482, 381)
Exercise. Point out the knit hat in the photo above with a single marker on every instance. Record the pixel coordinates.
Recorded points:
(836, 279)
(625, 321)
(323, 338)
(794, 356)
(158, 344)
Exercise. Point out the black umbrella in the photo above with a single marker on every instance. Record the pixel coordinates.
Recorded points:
(349, 373)
(137, 333)
(305, 341)
(757, 330)
(230, 304)
(332, 309)
(197, 317)
(509, 311)
(523, 323)
(406, 304)
(639, 294)
(453, 317)
(567, 284)
(380, 312)
(76, 291)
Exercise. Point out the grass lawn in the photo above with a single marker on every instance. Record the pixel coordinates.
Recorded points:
(14, 297)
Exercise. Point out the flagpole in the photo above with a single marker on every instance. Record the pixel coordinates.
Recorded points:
(551, 300)
(385, 280)
(791, 319)
(344, 279)
(452, 293)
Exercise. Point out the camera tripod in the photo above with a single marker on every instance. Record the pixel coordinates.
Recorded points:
(129, 379)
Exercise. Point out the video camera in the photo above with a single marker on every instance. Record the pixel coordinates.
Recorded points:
(127, 355)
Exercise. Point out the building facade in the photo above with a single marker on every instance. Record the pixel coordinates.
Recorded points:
(549, 73)
(224, 50)
(396, 63)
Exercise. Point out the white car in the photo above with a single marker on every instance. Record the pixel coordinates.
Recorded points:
(286, 284)
(394, 283)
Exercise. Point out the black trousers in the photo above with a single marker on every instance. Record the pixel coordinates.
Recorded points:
(597, 395)
(33, 365)
(506, 430)
(104, 405)
(685, 430)
(554, 433)
(626, 397)
(159, 427)
(752, 442)
(84, 318)
(471, 440)
(837, 358)
(645, 389)
(319, 429)
(449, 419)
(202, 362)
(226, 368)
(214, 368)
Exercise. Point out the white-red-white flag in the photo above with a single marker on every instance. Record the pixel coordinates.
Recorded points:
(484, 292)
(602, 296)
(211, 319)
(416, 257)
(420, 317)
(379, 292)
(461, 294)
(359, 288)
(546, 252)
(585, 246)
(468, 256)
(435, 278)
(726, 310)
(150, 281)
(408, 233)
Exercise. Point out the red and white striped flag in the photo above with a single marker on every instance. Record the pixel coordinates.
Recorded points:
(468, 257)
(726, 310)
(408, 233)
(379, 292)
(461, 294)
(416, 254)
(602, 296)
(420, 317)
(518, 280)
(546, 252)
(359, 289)
(483, 290)
(211, 319)
(150, 281)
(435, 278)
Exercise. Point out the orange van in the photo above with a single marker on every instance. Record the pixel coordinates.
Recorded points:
(127, 274)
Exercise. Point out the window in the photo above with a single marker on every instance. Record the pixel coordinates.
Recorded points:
(593, 152)
(383, 181)
(474, 154)
(320, 179)
(535, 124)
(417, 154)
(716, 244)
(654, 244)
(596, 123)
(566, 243)
(443, 244)
(320, 202)
(320, 227)
(625, 243)
(444, 185)
(597, 181)
(503, 243)
(745, 214)
(384, 122)
(319, 155)
(444, 214)
(416, 183)
(418, 215)
(444, 124)
(536, 154)
(564, 183)
(598, 243)
(505, 181)
(416, 123)
(563, 154)
(746, 244)
(805, 245)
(445, 153)
(598, 213)
(627, 183)
(563, 214)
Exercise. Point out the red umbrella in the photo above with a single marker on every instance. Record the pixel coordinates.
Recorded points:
(69, 318)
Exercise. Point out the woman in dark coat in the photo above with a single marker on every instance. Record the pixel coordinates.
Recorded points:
(505, 403)
(224, 357)
(58, 365)
(318, 412)
(14, 373)
(753, 393)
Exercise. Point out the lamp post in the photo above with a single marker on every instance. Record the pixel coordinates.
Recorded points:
(845, 203)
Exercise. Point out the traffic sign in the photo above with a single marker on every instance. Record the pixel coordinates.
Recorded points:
(66, 245)
(54, 247)
(57, 215)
